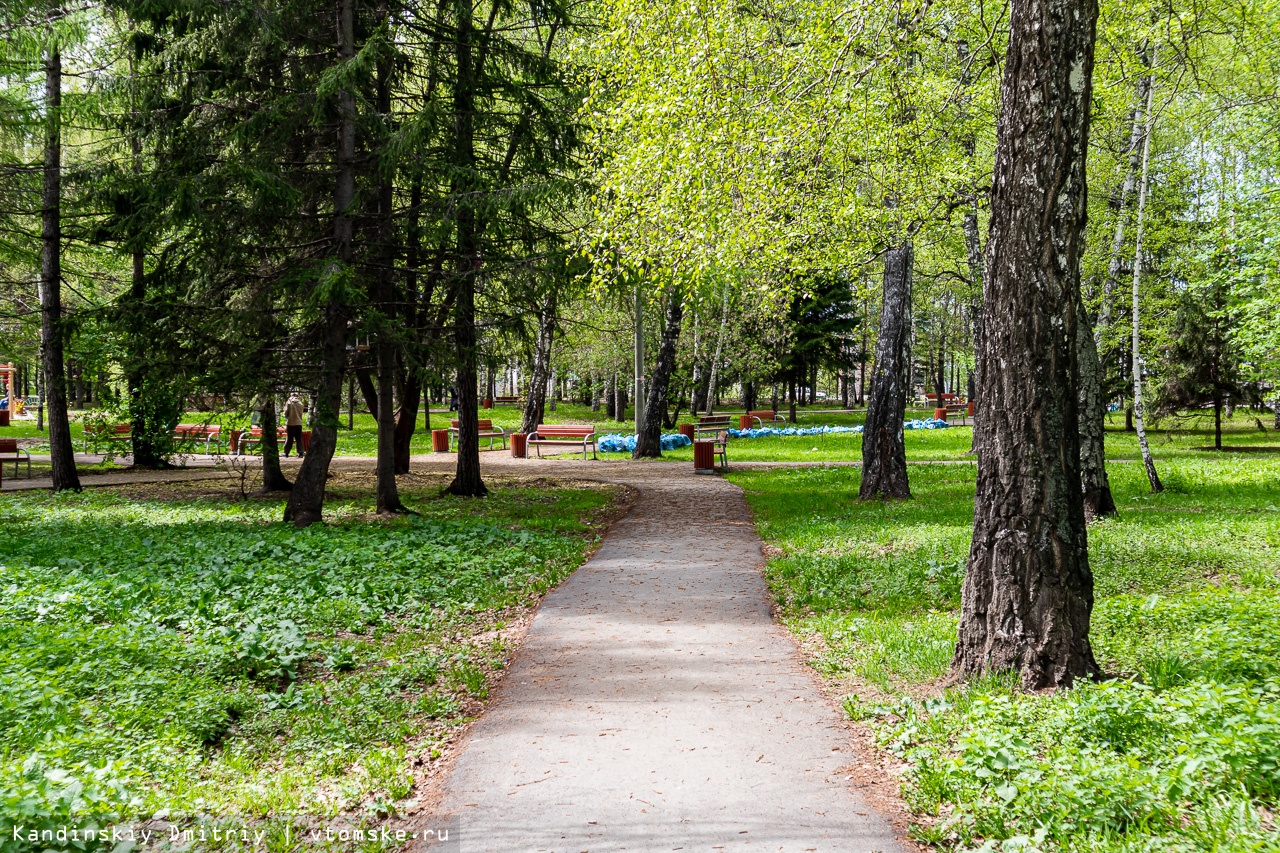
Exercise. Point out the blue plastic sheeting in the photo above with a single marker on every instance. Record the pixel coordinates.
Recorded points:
(614, 443)
(765, 432)
(928, 423)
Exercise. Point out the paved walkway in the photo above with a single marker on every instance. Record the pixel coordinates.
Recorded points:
(655, 705)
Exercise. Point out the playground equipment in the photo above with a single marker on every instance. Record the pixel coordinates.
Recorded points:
(9, 377)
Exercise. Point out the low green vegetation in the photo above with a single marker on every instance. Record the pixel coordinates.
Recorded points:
(174, 649)
(1179, 751)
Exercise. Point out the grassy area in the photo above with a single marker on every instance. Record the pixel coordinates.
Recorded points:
(168, 648)
(1172, 438)
(1180, 752)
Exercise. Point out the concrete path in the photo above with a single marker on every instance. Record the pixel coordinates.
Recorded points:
(655, 705)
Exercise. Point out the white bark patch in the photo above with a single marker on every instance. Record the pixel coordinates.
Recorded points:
(1076, 80)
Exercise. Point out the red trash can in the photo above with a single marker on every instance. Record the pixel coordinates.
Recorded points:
(305, 444)
(745, 421)
(233, 441)
(4, 417)
(519, 445)
(704, 456)
(970, 408)
(940, 413)
(687, 431)
(440, 440)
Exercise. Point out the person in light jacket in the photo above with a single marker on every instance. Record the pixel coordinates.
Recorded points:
(293, 412)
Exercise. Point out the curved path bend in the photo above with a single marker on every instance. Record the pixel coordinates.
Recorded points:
(656, 705)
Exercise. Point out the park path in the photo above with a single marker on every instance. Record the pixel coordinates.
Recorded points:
(655, 704)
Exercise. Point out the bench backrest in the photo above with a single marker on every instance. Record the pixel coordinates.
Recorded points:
(764, 415)
(712, 420)
(103, 429)
(485, 425)
(565, 431)
(202, 430)
(8, 445)
(256, 432)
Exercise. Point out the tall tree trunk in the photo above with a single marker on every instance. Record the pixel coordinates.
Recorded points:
(712, 386)
(611, 398)
(387, 493)
(306, 500)
(1115, 261)
(1094, 482)
(412, 377)
(694, 378)
(1028, 590)
(649, 440)
(53, 328)
(467, 481)
(273, 478)
(884, 453)
(638, 364)
(535, 403)
(1139, 409)
(791, 393)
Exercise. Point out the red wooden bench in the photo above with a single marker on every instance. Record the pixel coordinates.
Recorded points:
(116, 434)
(769, 416)
(210, 434)
(11, 452)
(254, 436)
(507, 401)
(564, 435)
(487, 430)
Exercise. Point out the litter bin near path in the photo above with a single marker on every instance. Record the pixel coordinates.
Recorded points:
(687, 431)
(704, 457)
(519, 445)
(440, 441)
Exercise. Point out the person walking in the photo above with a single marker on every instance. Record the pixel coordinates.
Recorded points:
(293, 412)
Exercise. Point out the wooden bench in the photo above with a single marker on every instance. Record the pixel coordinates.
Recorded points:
(768, 416)
(961, 409)
(211, 435)
(120, 435)
(11, 452)
(507, 401)
(254, 436)
(564, 435)
(710, 423)
(487, 430)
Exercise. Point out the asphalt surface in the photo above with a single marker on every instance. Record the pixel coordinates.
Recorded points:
(656, 705)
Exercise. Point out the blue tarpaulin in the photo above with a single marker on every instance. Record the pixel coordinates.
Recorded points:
(615, 443)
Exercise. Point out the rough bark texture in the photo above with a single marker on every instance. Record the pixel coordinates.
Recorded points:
(273, 479)
(1028, 590)
(306, 500)
(52, 326)
(884, 454)
(649, 440)
(387, 493)
(1139, 407)
(536, 402)
(466, 480)
(1094, 482)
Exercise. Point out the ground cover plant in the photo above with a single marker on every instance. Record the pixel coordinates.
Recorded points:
(1180, 751)
(171, 650)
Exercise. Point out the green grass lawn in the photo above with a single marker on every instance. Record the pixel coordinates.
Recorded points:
(1180, 752)
(169, 648)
